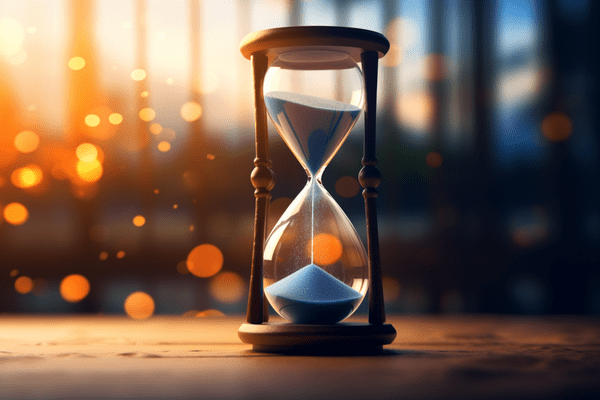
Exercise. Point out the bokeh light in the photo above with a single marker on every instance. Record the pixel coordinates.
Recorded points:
(103, 256)
(86, 152)
(139, 305)
(92, 120)
(26, 177)
(23, 284)
(191, 111)
(115, 118)
(139, 220)
(211, 313)
(89, 171)
(391, 289)
(74, 288)
(227, 287)
(347, 186)
(12, 35)
(327, 249)
(27, 141)
(205, 260)
(14, 273)
(120, 254)
(434, 159)
(163, 146)
(144, 94)
(138, 74)
(557, 127)
(76, 63)
(147, 114)
(155, 128)
(15, 213)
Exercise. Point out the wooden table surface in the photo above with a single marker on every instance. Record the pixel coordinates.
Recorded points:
(433, 357)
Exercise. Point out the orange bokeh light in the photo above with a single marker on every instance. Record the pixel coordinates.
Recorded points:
(210, 313)
(139, 220)
(191, 111)
(327, 249)
(147, 114)
(139, 305)
(92, 120)
(347, 186)
(227, 287)
(557, 127)
(164, 146)
(74, 288)
(23, 284)
(205, 260)
(391, 289)
(76, 63)
(138, 74)
(103, 255)
(115, 118)
(27, 177)
(89, 171)
(120, 254)
(434, 159)
(16, 213)
(86, 152)
(156, 128)
(27, 141)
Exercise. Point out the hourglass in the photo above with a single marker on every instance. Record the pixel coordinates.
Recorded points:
(313, 268)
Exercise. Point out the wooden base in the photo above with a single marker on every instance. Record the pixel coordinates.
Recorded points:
(343, 338)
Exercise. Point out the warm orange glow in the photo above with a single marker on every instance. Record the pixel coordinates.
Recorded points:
(227, 287)
(27, 141)
(89, 171)
(347, 186)
(391, 289)
(415, 110)
(205, 260)
(139, 220)
(120, 254)
(327, 249)
(138, 74)
(164, 146)
(211, 313)
(191, 111)
(436, 69)
(394, 56)
(434, 159)
(74, 288)
(156, 191)
(147, 114)
(175, 206)
(139, 305)
(23, 284)
(557, 127)
(169, 81)
(210, 156)
(27, 177)
(155, 128)
(86, 152)
(76, 63)
(103, 256)
(16, 213)
(115, 118)
(14, 273)
(92, 120)
(12, 35)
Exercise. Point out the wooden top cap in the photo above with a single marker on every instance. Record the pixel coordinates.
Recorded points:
(352, 41)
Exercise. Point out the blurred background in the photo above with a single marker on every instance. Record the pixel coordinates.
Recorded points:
(127, 141)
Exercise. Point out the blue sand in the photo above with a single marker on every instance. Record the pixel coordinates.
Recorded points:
(312, 296)
(317, 125)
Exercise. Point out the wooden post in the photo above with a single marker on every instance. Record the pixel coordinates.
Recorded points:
(369, 178)
(263, 181)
